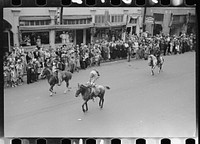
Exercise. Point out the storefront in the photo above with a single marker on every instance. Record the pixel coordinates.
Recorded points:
(178, 24)
(107, 32)
(191, 25)
(7, 36)
(33, 28)
(133, 26)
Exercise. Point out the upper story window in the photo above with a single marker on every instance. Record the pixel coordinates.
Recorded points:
(34, 20)
(117, 18)
(76, 21)
(158, 16)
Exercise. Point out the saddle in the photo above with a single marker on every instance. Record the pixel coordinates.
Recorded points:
(158, 60)
(94, 90)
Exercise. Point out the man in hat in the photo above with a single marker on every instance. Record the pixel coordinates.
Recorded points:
(94, 75)
(55, 71)
(29, 72)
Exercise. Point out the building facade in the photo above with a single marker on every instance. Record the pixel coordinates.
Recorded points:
(170, 20)
(30, 26)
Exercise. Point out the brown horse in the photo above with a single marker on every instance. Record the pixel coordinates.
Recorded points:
(89, 92)
(53, 80)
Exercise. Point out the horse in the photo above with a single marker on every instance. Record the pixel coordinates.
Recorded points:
(153, 62)
(52, 79)
(89, 92)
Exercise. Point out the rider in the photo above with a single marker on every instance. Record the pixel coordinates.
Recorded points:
(55, 71)
(157, 55)
(94, 75)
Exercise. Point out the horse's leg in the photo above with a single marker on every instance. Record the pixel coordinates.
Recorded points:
(67, 85)
(159, 68)
(51, 90)
(102, 101)
(83, 107)
(86, 106)
(152, 68)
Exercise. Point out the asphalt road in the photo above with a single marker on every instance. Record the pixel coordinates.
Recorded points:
(137, 105)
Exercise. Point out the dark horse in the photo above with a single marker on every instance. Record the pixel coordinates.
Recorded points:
(153, 62)
(53, 80)
(89, 92)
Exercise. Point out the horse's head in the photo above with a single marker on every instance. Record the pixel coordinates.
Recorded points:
(45, 72)
(150, 60)
(81, 89)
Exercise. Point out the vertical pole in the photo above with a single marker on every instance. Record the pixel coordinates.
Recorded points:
(144, 16)
(61, 15)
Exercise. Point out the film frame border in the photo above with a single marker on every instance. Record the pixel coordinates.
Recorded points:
(50, 3)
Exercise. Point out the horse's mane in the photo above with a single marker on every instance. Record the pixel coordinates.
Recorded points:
(49, 70)
(84, 88)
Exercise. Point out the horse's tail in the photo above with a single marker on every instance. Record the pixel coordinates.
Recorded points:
(107, 87)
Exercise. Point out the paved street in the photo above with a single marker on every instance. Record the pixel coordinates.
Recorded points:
(137, 105)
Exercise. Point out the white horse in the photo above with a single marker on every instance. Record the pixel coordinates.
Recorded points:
(153, 62)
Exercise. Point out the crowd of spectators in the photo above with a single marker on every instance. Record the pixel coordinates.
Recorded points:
(20, 62)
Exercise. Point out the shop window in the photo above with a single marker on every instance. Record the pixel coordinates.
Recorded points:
(30, 38)
(58, 34)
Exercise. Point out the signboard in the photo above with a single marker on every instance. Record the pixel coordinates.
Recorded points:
(149, 19)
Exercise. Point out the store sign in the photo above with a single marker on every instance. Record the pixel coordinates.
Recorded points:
(149, 20)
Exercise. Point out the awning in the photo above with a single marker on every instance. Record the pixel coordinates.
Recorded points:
(55, 27)
(74, 17)
(35, 28)
(29, 18)
(133, 16)
(109, 25)
(74, 26)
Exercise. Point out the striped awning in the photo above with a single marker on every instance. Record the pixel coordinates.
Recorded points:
(55, 27)
(109, 25)
(76, 17)
(29, 18)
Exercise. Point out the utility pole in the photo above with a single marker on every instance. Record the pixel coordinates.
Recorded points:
(61, 15)
(144, 17)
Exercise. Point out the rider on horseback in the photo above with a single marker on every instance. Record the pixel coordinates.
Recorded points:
(157, 55)
(55, 71)
(94, 75)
